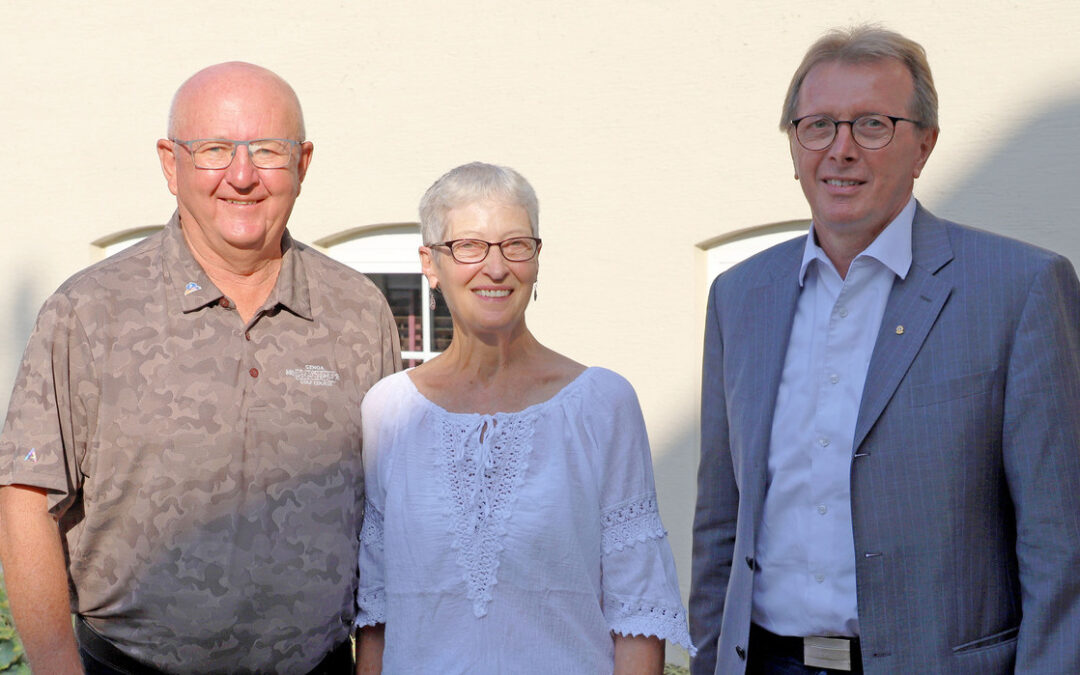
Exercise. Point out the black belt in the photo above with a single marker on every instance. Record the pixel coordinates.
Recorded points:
(831, 653)
(338, 662)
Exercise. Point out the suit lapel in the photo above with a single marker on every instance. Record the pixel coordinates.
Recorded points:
(770, 308)
(913, 307)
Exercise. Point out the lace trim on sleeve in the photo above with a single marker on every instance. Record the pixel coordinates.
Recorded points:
(371, 532)
(649, 620)
(372, 605)
(631, 522)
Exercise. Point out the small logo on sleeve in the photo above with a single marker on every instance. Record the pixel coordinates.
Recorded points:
(316, 376)
(191, 288)
(31, 456)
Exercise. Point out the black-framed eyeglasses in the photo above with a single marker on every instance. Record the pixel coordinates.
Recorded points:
(218, 153)
(514, 249)
(873, 131)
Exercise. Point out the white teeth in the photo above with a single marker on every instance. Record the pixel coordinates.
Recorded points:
(841, 183)
(239, 201)
(502, 293)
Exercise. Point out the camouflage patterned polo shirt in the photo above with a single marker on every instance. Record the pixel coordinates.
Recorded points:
(206, 473)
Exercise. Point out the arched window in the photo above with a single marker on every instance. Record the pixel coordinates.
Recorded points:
(387, 254)
(727, 250)
(114, 243)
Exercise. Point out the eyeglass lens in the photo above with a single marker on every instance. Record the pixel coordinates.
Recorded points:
(266, 153)
(518, 249)
(870, 131)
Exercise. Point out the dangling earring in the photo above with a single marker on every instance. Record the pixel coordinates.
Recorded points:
(431, 298)
(535, 284)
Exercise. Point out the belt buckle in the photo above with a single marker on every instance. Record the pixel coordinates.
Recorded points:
(827, 652)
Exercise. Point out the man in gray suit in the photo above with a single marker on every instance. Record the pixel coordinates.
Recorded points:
(890, 458)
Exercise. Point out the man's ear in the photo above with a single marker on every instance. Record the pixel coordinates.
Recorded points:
(307, 148)
(926, 146)
(167, 155)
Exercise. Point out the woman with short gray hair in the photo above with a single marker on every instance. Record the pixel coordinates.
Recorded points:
(511, 521)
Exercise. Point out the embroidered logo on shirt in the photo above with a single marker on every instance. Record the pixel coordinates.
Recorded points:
(31, 456)
(313, 375)
(191, 288)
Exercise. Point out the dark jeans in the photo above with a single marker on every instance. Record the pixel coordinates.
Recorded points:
(770, 654)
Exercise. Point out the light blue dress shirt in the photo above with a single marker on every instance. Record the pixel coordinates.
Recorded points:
(805, 583)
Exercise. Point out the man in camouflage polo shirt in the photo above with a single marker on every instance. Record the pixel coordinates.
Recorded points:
(183, 441)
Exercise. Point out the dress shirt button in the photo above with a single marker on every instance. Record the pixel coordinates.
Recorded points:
(822, 509)
(823, 442)
(820, 578)
(842, 312)
(254, 372)
(834, 378)
(741, 652)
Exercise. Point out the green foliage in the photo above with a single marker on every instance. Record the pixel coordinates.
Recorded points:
(12, 659)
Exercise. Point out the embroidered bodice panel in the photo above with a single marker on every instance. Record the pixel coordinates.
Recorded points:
(514, 542)
(483, 461)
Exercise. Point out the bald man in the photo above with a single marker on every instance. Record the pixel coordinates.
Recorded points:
(181, 457)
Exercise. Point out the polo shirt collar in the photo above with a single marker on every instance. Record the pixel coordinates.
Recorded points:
(291, 290)
(193, 289)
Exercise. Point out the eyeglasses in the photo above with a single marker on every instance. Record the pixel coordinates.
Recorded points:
(515, 249)
(218, 153)
(873, 132)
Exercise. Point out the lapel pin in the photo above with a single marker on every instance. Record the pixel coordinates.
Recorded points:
(191, 288)
(899, 330)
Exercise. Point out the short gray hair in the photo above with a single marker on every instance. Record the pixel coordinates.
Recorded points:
(470, 183)
(862, 44)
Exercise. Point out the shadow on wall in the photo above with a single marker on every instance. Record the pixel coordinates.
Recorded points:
(676, 486)
(24, 309)
(1028, 187)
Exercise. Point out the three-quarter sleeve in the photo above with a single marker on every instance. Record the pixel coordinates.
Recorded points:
(371, 592)
(640, 586)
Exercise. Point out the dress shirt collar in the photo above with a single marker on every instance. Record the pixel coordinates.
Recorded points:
(892, 248)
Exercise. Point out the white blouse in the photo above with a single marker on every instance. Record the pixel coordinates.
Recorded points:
(513, 542)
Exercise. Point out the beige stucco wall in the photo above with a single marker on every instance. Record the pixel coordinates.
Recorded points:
(646, 127)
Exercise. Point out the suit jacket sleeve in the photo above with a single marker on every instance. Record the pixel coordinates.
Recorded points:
(717, 500)
(1041, 444)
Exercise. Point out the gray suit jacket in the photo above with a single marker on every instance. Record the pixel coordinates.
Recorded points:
(965, 478)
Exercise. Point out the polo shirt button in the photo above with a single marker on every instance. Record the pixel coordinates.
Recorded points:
(224, 302)
(247, 335)
(254, 372)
